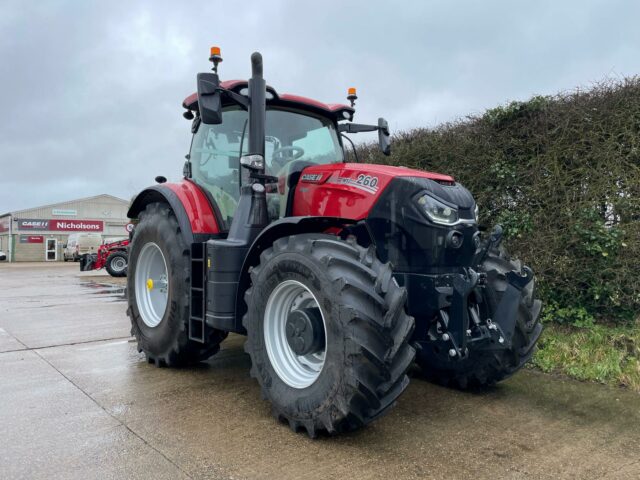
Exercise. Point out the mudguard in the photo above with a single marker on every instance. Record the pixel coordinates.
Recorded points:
(192, 209)
(278, 229)
(506, 312)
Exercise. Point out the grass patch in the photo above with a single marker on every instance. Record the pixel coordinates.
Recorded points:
(600, 353)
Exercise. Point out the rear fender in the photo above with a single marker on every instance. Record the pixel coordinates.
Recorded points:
(282, 228)
(195, 215)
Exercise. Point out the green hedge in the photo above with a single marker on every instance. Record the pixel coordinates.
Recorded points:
(562, 175)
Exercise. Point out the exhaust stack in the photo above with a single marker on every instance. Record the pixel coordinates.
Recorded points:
(257, 107)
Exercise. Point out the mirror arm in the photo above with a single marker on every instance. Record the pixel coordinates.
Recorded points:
(235, 97)
(357, 128)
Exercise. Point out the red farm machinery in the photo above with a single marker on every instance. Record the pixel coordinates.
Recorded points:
(341, 275)
(111, 256)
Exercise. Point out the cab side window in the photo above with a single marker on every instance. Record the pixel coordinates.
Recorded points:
(215, 160)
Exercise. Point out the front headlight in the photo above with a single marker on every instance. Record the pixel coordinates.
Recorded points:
(476, 213)
(437, 211)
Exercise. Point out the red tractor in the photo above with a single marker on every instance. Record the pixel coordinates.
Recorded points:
(337, 273)
(111, 256)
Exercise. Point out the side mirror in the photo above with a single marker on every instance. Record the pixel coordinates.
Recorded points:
(209, 100)
(384, 138)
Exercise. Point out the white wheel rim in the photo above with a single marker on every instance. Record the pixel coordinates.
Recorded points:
(297, 371)
(118, 264)
(152, 284)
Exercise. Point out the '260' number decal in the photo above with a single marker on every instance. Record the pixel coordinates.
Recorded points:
(367, 181)
(363, 182)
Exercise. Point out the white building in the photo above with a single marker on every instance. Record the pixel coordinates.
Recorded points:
(38, 234)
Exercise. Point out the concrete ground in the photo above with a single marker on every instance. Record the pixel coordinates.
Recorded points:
(78, 401)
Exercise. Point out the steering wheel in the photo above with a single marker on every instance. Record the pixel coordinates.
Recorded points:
(277, 155)
(210, 146)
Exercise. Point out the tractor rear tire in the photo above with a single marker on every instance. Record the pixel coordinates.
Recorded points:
(366, 333)
(486, 368)
(164, 339)
(114, 264)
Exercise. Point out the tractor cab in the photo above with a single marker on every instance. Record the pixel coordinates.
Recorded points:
(294, 139)
(299, 132)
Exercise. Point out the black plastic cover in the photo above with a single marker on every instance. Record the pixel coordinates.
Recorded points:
(224, 260)
(405, 236)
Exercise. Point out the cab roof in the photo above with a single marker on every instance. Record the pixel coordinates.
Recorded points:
(286, 99)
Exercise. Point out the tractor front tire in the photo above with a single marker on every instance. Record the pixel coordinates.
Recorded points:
(159, 260)
(484, 368)
(358, 369)
(116, 264)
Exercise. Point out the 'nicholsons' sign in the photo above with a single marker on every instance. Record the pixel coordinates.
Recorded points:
(60, 225)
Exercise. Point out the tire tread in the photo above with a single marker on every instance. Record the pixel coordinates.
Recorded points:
(377, 331)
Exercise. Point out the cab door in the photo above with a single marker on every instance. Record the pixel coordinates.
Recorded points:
(215, 161)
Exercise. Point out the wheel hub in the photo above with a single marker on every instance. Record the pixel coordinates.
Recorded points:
(305, 331)
(295, 333)
(118, 264)
(151, 285)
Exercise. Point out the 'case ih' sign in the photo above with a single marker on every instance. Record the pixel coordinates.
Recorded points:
(60, 225)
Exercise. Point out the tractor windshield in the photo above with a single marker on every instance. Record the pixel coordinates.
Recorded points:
(294, 140)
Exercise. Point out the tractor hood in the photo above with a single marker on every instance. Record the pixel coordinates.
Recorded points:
(395, 203)
(351, 190)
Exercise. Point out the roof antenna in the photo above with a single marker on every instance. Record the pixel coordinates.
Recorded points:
(215, 58)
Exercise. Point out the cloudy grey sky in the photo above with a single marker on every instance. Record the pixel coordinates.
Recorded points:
(91, 91)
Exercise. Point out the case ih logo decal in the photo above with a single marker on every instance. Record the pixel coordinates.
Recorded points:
(31, 224)
(61, 225)
(364, 182)
(311, 177)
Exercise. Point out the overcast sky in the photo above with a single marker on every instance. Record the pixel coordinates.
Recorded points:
(91, 91)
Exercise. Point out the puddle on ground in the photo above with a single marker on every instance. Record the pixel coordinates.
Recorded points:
(117, 292)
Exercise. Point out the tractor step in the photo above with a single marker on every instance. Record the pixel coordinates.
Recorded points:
(197, 324)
